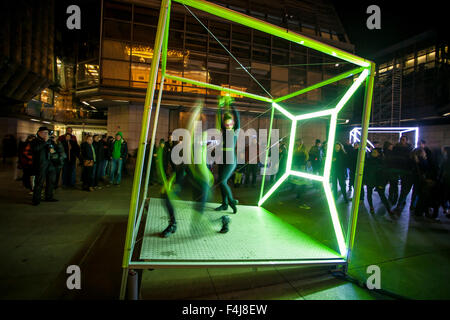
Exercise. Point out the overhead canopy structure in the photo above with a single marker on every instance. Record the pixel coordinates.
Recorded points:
(364, 73)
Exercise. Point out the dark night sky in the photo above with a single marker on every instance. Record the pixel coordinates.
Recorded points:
(400, 20)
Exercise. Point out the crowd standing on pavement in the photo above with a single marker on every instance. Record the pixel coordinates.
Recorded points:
(392, 170)
(48, 162)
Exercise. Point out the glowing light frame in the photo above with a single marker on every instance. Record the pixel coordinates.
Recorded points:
(353, 135)
(365, 67)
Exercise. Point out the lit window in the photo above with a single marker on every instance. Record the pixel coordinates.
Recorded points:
(421, 59)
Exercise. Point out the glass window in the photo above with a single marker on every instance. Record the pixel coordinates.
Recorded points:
(146, 15)
(117, 10)
(117, 30)
(218, 64)
(140, 72)
(192, 25)
(219, 29)
(431, 56)
(220, 79)
(279, 88)
(115, 69)
(46, 96)
(256, 88)
(116, 50)
(280, 57)
(280, 43)
(261, 38)
(141, 53)
(195, 63)
(308, 29)
(261, 54)
(409, 63)
(279, 73)
(196, 42)
(144, 34)
(297, 58)
(237, 70)
(260, 70)
(175, 40)
(421, 59)
(176, 21)
(241, 33)
(241, 50)
(297, 76)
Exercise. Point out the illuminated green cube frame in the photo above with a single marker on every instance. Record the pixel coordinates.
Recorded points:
(364, 68)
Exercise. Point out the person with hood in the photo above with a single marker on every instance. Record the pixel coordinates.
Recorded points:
(119, 154)
(44, 169)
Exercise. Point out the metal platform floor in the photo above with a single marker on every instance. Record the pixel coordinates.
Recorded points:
(255, 235)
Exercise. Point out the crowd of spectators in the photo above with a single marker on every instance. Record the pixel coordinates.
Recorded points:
(48, 162)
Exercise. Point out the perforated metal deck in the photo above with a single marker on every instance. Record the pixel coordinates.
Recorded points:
(255, 235)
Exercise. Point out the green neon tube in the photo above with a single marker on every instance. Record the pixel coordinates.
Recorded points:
(335, 219)
(352, 90)
(283, 110)
(269, 140)
(291, 145)
(218, 88)
(165, 43)
(149, 96)
(315, 114)
(305, 175)
(361, 157)
(250, 22)
(320, 84)
(272, 190)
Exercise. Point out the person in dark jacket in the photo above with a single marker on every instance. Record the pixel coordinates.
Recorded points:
(444, 180)
(44, 152)
(375, 178)
(427, 178)
(168, 146)
(106, 157)
(402, 165)
(59, 159)
(100, 157)
(316, 157)
(119, 154)
(338, 171)
(72, 151)
(88, 159)
(352, 161)
(26, 162)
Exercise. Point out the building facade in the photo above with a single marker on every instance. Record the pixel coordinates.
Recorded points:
(412, 87)
(116, 79)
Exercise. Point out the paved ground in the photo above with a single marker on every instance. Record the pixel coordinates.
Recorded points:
(88, 229)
